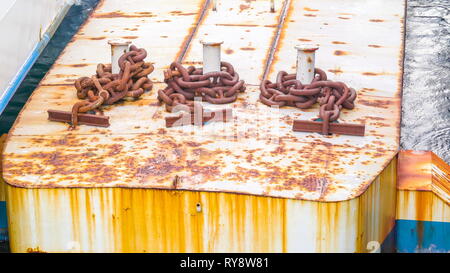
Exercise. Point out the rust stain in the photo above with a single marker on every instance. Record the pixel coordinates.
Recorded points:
(376, 20)
(180, 13)
(116, 14)
(335, 71)
(338, 43)
(378, 103)
(97, 38)
(247, 48)
(309, 15)
(243, 7)
(376, 74)
(340, 53)
(78, 65)
(374, 46)
(310, 9)
(229, 51)
(370, 74)
(34, 250)
(237, 25)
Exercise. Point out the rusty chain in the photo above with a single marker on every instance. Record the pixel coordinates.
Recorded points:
(184, 84)
(287, 91)
(106, 88)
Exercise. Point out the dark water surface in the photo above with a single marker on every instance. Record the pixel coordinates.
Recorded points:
(426, 87)
(69, 26)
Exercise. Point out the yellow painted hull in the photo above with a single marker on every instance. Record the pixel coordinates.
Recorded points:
(422, 206)
(152, 220)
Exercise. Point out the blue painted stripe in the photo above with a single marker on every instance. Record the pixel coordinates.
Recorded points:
(3, 222)
(389, 243)
(37, 50)
(15, 83)
(422, 236)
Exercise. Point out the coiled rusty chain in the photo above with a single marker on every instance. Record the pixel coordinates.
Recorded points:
(184, 84)
(287, 91)
(106, 88)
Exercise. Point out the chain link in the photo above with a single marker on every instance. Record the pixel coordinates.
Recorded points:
(287, 91)
(105, 88)
(184, 84)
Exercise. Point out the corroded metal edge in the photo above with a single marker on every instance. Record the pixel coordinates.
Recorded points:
(274, 45)
(2, 182)
(128, 226)
(424, 171)
(187, 41)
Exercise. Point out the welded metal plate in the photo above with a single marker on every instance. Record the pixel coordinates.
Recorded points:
(424, 171)
(161, 27)
(247, 28)
(256, 153)
(361, 42)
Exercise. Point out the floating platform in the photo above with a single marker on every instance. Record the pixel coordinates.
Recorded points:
(241, 186)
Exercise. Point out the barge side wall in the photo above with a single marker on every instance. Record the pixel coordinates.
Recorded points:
(152, 220)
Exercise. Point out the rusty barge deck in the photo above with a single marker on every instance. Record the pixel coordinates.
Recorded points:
(138, 186)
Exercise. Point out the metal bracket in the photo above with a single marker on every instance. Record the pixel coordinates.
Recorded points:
(86, 119)
(335, 128)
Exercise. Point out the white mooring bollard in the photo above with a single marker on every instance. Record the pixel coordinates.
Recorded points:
(118, 47)
(211, 55)
(306, 62)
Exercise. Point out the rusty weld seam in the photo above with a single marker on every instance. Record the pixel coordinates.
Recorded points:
(275, 41)
(194, 31)
(402, 68)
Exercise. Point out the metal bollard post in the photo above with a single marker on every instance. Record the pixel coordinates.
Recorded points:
(272, 5)
(211, 56)
(305, 63)
(118, 47)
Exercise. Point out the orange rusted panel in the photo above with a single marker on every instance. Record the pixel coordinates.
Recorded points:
(414, 172)
(424, 171)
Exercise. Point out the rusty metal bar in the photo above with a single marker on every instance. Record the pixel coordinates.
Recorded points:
(193, 31)
(185, 118)
(274, 45)
(335, 128)
(86, 119)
